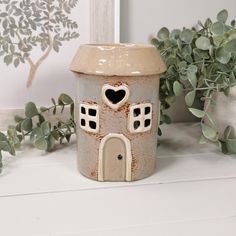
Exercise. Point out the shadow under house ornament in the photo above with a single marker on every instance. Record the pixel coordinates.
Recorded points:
(117, 110)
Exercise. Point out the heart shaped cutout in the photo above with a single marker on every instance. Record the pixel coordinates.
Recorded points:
(115, 97)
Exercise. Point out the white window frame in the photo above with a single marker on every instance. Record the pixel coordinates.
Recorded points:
(141, 118)
(88, 117)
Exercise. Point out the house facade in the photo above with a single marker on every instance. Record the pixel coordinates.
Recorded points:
(117, 122)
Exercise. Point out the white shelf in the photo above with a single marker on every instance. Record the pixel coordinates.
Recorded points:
(193, 192)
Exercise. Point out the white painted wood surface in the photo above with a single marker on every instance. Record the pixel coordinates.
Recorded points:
(192, 193)
(104, 21)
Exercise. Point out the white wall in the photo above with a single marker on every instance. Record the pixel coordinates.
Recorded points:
(53, 76)
(141, 19)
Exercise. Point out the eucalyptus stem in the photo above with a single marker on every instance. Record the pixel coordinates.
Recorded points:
(42, 133)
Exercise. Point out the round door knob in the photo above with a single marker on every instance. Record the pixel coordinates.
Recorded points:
(119, 157)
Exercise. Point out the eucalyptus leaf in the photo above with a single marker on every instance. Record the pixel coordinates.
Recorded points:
(231, 146)
(203, 43)
(31, 110)
(46, 128)
(230, 46)
(192, 78)
(217, 28)
(222, 55)
(209, 132)
(65, 99)
(198, 113)
(190, 97)
(41, 144)
(175, 34)
(222, 16)
(50, 143)
(163, 34)
(178, 88)
(27, 125)
(187, 36)
(228, 133)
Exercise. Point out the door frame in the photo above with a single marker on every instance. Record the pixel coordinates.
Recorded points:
(128, 155)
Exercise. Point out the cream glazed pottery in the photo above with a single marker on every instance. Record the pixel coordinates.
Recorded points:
(117, 109)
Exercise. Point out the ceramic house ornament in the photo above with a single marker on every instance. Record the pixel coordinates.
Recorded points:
(117, 110)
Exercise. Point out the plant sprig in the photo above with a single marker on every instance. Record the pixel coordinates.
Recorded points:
(42, 134)
(201, 62)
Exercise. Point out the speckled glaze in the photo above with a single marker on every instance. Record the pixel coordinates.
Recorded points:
(136, 67)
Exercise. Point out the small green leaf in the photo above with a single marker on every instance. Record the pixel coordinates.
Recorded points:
(222, 56)
(187, 36)
(196, 112)
(163, 34)
(211, 118)
(217, 28)
(189, 98)
(209, 133)
(4, 146)
(3, 137)
(222, 16)
(46, 127)
(175, 34)
(230, 46)
(192, 78)
(27, 125)
(203, 43)
(217, 40)
(31, 110)
(178, 88)
(8, 59)
(65, 99)
(228, 132)
(41, 144)
(231, 146)
(43, 109)
(50, 143)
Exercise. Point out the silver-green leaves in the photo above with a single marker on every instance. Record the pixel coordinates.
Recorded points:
(203, 43)
(43, 134)
(200, 62)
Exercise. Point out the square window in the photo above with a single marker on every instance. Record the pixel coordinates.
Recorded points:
(89, 117)
(140, 118)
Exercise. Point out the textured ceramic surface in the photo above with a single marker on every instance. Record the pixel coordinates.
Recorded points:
(118, 59)
(117, 116)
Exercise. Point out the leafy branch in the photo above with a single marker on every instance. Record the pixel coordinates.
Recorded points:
(201, 62)
(42, 134)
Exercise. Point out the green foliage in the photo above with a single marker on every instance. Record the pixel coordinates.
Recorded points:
(27, 24)
(43, 134)
(201, 61)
